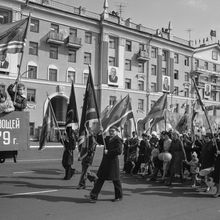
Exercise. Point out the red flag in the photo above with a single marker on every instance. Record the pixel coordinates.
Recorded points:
(90, 116)
(12, 36)
(157, 110)
(72, 119)
(49, 122)
(118, 114)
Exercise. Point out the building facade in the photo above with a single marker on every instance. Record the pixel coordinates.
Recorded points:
(125, 58)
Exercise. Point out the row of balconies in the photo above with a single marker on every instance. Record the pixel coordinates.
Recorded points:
(75, 42)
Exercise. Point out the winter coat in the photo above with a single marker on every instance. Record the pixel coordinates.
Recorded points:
(109, 167)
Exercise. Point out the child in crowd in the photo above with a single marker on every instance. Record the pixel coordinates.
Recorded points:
(18, 99)
(5, 105)
(194, 168)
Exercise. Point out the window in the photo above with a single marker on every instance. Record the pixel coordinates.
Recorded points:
(214, 68)
(85, 78)
(112, 61)
(176, 109)
(87, 58)
(153, 70)
(214, 55)
(164, 71)
(186, 76)
(176, 58)
(112, 100)
(52, 74)
(112, 42)
(33, 48)
(206, 65)
(176, 74)
(164, 55)
(54, 27)
(153, 52)
(140, 85)
(140, 67)
(141, 47)
(53, 51)
(73, 32)
(127, 64)
(196, 63)
(31, 95)
(72, 56)
(34, 26)
(214, 96)
(127, 83)
(176, 90)
(153, 87)
(6, 16)
(186, 61)
(140, 104)
(31, 128)
(128, 45)
(32, 72)
(88, 37)
(186, 92)
(71, 76)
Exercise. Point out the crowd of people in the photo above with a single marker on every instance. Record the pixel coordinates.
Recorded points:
(171, 155)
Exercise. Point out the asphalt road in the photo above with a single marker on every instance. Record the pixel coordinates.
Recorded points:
(33, 188)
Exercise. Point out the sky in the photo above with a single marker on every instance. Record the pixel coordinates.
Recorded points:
(200, 16)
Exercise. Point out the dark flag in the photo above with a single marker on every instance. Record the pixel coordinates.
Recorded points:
(49, 123)
(157, 110)
(90, 120)
(182, 125)
(118, 114)
(72, 119)
(12, 36)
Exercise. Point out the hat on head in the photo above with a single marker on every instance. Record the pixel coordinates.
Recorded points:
(114, 128)
(21, 85)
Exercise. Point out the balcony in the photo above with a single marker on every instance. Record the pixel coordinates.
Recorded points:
(203, 70)
(73, 42)
(143, 55)
(55, 38)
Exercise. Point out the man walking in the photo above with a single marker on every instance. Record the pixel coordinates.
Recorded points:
(109, 167)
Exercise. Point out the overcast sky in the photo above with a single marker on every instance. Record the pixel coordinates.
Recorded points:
(198, 15)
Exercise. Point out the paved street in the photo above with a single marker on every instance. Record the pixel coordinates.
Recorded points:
(33, 189)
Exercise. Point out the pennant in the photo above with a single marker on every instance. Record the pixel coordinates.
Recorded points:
(49, 123)
(118, 115)
(12, 36)
(157, 109)
(90, 116)
(72, 119)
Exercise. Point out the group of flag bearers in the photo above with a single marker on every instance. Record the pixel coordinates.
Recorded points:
(93, 127)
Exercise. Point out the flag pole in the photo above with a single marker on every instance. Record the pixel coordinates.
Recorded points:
(94, 97)
(22, 55)
(205, 112)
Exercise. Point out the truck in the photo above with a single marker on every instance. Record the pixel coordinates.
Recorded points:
(14, 134)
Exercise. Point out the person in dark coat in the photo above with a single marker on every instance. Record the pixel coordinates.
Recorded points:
(18, 99)
(109, 167)
(69, 143)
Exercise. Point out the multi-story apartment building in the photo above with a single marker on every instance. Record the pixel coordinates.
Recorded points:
(63, 40)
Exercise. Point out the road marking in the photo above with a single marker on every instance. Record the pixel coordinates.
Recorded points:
(38, 160)
(23, 172)
(29, 193)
